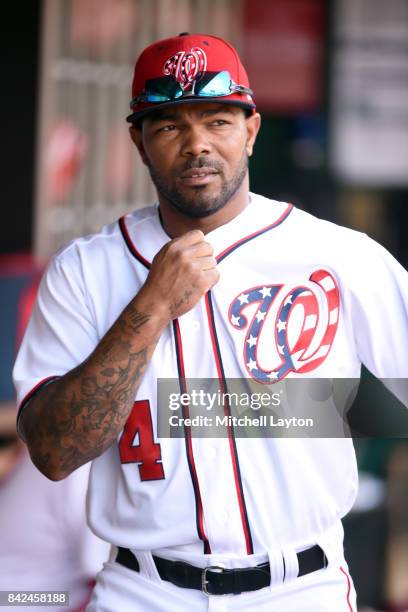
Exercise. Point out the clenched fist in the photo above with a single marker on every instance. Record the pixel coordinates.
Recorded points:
(181, 273)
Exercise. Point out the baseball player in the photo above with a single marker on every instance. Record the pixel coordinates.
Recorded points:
(210, 282)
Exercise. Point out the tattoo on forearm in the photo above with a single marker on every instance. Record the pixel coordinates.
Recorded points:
(183, 300)
(91, 403)
(137, 319)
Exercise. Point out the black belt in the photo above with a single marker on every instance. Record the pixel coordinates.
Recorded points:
(214, 580)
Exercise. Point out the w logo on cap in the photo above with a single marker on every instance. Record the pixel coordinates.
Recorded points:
(185, 65)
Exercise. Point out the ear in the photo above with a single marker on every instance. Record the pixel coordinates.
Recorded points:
(137, 137)
(253, 123)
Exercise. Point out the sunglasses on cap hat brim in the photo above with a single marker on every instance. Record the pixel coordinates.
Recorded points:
(167, 91)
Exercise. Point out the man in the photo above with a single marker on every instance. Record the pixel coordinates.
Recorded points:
(214, 283)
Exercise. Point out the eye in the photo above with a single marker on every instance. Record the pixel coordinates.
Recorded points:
(220, 122)
(167, 128)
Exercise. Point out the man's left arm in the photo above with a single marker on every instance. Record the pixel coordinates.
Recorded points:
(379, 312)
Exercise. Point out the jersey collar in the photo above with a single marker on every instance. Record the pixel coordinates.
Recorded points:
(145, 237)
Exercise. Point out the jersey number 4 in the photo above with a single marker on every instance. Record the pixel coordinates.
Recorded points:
(147, 452)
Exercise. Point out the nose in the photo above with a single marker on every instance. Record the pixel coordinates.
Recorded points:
(195, 141)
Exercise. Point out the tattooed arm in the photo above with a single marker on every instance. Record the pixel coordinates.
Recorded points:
(78, 416)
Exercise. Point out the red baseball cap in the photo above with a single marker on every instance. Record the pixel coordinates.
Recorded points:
(184, 59)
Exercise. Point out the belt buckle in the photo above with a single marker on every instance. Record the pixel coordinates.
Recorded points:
(204, 581)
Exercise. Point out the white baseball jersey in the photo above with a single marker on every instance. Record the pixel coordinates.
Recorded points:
(232, 496)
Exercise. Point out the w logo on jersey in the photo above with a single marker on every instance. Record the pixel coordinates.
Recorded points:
(304, 321)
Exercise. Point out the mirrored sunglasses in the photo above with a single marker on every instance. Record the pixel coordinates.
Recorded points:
(207, 84)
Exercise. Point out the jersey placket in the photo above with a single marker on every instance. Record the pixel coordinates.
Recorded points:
(213, 456)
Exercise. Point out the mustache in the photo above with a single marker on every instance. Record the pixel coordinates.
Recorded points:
(202, 162)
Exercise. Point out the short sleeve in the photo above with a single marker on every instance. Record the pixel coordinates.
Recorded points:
(379, 308)
(61, 332)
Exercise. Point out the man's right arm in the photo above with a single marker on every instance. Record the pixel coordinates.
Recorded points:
(78, 416)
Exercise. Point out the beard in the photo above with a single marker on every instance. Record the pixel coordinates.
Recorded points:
(201, 204)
